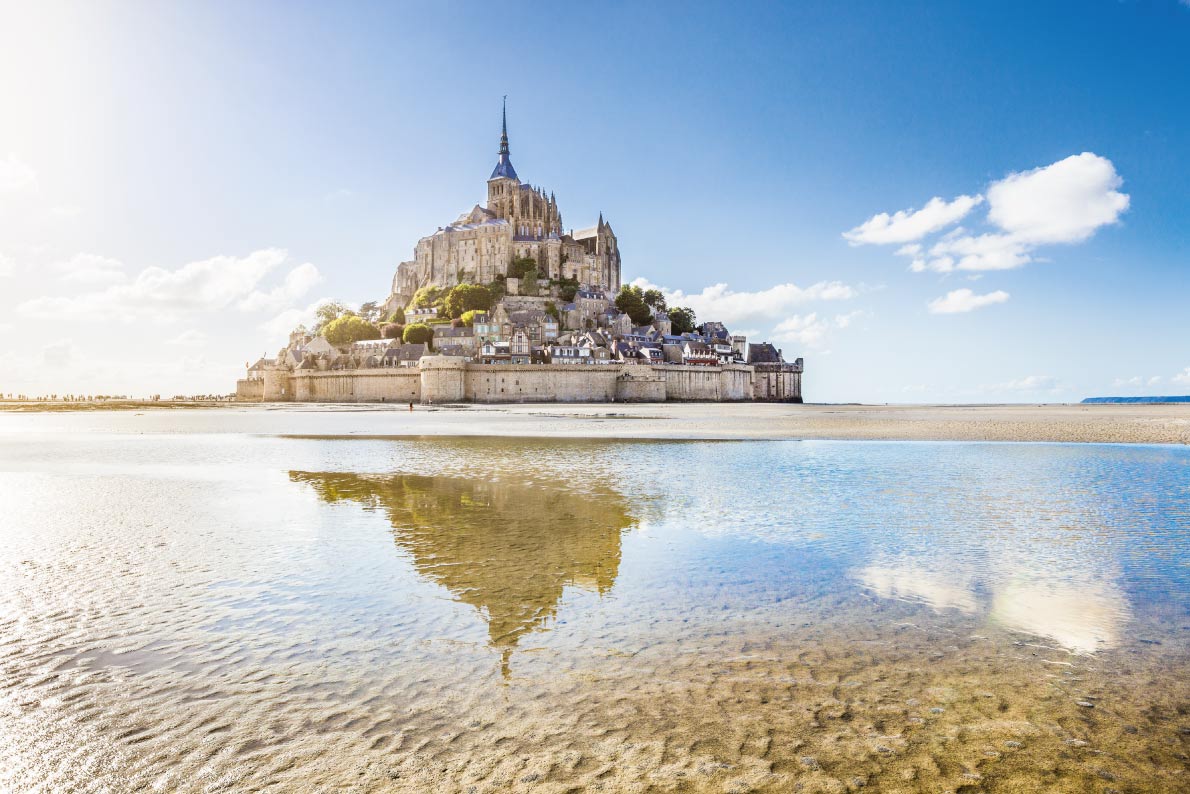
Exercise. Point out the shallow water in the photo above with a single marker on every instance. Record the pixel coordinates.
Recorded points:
(209, 611)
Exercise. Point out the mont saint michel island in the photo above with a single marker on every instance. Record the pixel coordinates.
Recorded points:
(407, 398)
(505, 304)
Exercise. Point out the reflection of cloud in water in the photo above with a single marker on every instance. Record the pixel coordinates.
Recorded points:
(506, 549)
(1083, 611)
(1083, 617)
(911, 583)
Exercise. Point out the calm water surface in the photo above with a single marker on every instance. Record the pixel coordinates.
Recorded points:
(216, 611)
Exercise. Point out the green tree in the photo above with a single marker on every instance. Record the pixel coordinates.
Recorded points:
(468, 317)
(551, 309)
(654, 299)
(521, 265)
(392, 331)
(418, 334)
(631, 301)
(567, 288)
(428, 297)
(397, 317)
(529, 282)
(467, 297)
(681, 319)
(371, 312)
(348, 328)
(329, 312)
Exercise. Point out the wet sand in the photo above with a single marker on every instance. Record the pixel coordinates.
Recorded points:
(489, 615)
(1127, 424)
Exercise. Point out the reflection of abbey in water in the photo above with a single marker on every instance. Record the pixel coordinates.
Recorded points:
(508, 550)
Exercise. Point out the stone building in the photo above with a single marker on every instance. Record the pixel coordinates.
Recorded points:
(519, 220)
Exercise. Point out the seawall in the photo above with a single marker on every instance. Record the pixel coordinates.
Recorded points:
(443, 379)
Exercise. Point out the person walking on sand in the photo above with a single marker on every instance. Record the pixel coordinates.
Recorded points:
(411, 406)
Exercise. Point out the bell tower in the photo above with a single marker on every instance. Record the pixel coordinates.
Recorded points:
(503, 183)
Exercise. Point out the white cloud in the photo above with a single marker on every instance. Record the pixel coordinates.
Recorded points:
(297, 283)
(808, 330)
(720, 302)
(964, 300)
(188, 338)
(1061, 203)
(16, 174)
(91, 269)
(844, 320)
(909, 225)
(1182, 377)
(967, 252)
(286, 321)
(164, 295)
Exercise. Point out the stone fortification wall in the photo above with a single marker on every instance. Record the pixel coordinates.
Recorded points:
(444, 379)
(502, 383)
(716, 384)
(361, 385)
(777, 384)
(640, 383)
(250, 389)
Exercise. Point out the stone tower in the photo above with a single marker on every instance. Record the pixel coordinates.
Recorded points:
(503, 183)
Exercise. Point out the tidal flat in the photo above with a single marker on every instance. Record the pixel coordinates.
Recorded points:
(318, 600)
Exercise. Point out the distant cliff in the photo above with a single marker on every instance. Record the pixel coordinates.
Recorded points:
(1183, 399)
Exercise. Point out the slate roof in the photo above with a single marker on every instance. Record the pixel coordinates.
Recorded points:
(405, 353)
(764, 353)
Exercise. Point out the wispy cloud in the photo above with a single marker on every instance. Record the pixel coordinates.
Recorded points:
(777, 309)
(162, 295)
(735, 308)
(964, 300)
(909, 225)
(91, 269)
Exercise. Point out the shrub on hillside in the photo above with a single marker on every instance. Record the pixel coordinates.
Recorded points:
(349, 328)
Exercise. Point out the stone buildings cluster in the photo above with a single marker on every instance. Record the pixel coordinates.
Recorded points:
(545, 339)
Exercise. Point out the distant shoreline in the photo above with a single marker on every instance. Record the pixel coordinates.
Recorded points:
(1122, 423)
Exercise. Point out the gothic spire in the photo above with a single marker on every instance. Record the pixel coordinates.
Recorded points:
(503, 165)
(504, 128)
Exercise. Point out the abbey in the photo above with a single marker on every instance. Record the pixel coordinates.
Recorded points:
(544, 324)
(519, 221)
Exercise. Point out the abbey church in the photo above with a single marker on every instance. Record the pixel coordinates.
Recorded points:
(520, 220)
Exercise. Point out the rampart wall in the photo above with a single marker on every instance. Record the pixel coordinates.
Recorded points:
(357, 385)
(442, 379)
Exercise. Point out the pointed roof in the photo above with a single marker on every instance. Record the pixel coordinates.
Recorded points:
(503, 167)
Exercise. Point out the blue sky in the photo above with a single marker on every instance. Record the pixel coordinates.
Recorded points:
(178, 182)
